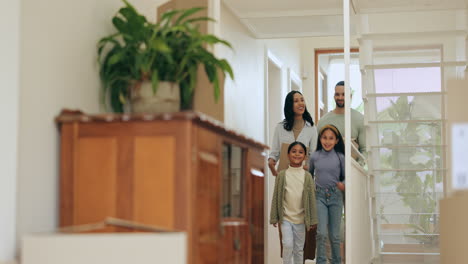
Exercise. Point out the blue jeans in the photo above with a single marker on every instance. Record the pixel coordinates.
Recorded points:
(329, 210)
(293, 242)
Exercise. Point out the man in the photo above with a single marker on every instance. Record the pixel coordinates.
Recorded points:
(336, 118)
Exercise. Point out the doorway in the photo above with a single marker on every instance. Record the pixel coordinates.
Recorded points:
(274, 114)
(330, 69)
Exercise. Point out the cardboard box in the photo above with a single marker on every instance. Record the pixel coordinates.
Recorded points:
(454, 228)
(456, 100)
(88, 245)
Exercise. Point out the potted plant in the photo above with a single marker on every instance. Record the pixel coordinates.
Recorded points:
(159, 60)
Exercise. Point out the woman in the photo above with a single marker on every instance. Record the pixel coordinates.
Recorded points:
(296, 126)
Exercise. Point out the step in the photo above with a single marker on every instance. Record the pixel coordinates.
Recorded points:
(409, 248)
(409, 258)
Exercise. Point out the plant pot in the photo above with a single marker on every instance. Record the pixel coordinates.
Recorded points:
(166, 99)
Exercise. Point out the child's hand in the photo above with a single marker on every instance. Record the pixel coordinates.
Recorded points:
(271, 165)
(312, 227)
(340, 186)
(275, 225)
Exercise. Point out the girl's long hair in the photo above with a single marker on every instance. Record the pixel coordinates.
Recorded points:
(339, 147)
(288, 121)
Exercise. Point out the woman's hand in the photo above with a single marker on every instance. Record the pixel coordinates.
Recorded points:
(275, 225)
(306, 167)
(312, 227)
(271, 165)
(340, 186)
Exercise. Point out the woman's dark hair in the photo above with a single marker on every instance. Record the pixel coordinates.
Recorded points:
(339, 147)
(288, 121)
(297, 143)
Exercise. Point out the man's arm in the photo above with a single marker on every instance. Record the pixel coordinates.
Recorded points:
(275, 145)
(362, 139)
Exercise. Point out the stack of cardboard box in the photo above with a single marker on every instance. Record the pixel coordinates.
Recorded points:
(454, 228)
(454, 208)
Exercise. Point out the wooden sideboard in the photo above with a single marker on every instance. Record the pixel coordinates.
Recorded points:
(180, 171)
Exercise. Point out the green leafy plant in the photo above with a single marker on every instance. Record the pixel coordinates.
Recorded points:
(416, 188)
(170, 50)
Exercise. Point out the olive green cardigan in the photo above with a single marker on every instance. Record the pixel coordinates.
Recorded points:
(308, 197)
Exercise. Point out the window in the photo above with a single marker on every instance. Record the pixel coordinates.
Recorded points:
(232, 204)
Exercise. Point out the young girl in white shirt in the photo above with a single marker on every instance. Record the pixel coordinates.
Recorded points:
(293, 206)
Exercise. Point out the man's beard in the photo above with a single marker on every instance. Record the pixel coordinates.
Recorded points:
(339, 105)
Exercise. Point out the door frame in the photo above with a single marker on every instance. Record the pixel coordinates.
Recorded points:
(269, 56)
(317, 53)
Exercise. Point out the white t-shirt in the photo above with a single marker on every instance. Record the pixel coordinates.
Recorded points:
(293, 203)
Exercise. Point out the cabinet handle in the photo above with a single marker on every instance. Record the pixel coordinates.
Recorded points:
(256, 172)
(237, 244)
(221, 229)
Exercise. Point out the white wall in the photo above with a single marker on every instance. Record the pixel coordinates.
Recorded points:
(58, 70)
(245, 97)
(9, 89)
(288, 51)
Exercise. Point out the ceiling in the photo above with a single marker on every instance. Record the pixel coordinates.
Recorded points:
(268, 7)
(303, 18)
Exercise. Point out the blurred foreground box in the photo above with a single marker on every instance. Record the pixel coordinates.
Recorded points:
(94, 247)
(454, 228)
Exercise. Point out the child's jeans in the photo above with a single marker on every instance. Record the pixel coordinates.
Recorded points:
(329, 210)
(293, 242)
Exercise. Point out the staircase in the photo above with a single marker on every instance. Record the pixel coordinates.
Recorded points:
(406, 147)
